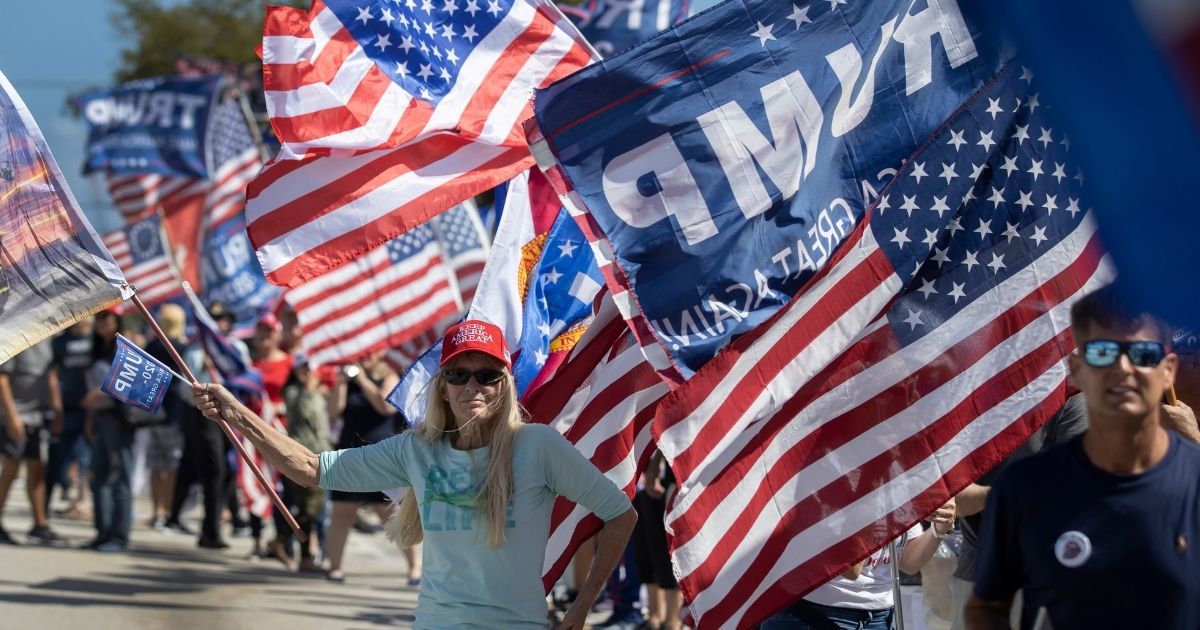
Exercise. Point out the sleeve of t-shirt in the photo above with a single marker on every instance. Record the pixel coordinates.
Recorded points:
(377, 466)
(570, 475)
(1071, 420)
(998, 565)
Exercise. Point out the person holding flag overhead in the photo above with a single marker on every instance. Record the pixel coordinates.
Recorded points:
(487, 479)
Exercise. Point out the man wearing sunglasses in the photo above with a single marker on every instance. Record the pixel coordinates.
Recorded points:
(1100, 531)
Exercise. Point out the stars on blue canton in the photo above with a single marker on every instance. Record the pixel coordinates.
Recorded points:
(409, 243)
(1004, 171)
(229, 136)
(458, 231)
(420, 44)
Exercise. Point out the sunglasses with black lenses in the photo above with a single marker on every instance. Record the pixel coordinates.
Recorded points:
(483, 376)
(1103, 352)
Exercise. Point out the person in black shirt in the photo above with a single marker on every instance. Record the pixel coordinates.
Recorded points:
(72, 358)
(367, 418)
(1100, 531)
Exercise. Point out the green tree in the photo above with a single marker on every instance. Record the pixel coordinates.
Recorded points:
(158, 33)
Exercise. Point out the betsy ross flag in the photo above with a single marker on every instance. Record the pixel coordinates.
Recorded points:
(538, 286)
(142, 253)
(389, 113)
(602, 399)
(930, 347)
(378, 301)
(55, 269)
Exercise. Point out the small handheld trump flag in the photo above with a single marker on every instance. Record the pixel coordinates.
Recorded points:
(136, 378)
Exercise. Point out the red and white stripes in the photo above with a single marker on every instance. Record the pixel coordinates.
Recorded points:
(810, 431)
(362, 160)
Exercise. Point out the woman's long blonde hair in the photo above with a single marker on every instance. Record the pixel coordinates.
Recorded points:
(404, 526)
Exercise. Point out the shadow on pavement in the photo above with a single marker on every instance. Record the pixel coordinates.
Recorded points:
(67, 600)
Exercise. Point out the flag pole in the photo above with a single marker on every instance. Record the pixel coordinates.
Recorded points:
(896, 593)
(191, 379)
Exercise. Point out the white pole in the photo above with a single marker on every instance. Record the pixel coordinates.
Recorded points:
(899, 614)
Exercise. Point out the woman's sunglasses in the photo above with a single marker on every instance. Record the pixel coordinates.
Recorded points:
(1104, 353)
(483, 376)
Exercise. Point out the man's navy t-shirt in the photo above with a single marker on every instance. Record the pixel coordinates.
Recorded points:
(1097, 550)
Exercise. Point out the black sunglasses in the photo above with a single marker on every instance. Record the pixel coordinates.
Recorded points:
(1104, 352)
(483, 376)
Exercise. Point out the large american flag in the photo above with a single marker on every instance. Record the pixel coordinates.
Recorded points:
(602, 399)
(466, 243)
(379, 301)
(929, 348)
(144, 257)
(390, 112)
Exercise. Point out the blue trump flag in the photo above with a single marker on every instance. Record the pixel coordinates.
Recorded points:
(615, 25)
(229, 358)
(136, 378)
(149, 126)
(726, 159)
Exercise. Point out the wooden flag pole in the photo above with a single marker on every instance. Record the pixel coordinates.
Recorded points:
(1171, 398)
(191, 378)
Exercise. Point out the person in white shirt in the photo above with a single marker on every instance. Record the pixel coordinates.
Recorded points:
(861, 598)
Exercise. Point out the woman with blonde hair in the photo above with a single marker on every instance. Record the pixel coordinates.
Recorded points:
(482, 482)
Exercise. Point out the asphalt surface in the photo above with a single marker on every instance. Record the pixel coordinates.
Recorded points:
(165, 581)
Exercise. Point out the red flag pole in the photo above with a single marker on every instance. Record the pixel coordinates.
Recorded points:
(187, 371)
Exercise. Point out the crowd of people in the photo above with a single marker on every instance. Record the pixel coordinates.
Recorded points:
(478, 484)
(79, 444)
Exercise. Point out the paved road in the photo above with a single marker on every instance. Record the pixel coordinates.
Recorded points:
(164, 581)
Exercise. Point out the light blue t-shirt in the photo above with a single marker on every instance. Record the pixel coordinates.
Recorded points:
(466, 583)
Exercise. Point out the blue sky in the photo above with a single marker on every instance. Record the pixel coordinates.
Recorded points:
(52, 48)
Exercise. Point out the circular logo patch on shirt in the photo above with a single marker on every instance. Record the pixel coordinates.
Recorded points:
(1073, 549)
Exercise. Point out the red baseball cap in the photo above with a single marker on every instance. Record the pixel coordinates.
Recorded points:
(268, 320)
(474, 335)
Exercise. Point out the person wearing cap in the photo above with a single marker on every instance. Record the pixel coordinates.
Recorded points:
(307, 401)
(484, 483)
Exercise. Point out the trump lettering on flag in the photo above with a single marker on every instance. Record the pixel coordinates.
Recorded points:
(930, 347)
(725, 160)
(389, 114)
(136, 378)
